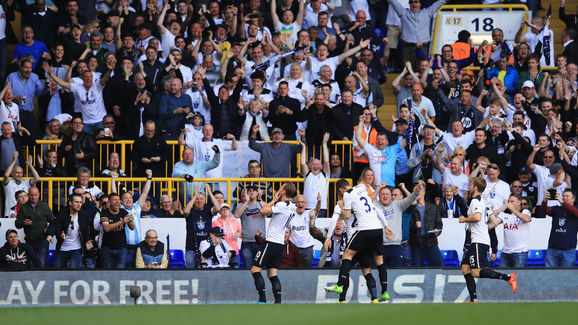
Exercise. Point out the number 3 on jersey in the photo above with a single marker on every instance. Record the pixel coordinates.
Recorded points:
(366, 203)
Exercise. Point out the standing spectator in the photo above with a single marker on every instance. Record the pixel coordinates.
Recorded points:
(562, 243)
(83, 181)
(26, 86)
(276, 156)
(232, 229)
(319, 119)
(417, 103)
(11, 186)
(72, 231)
(345, 116)
(497, 191)
(189, 168)
(545, 176)
(516, 222)
(415, 26)
(170, 209)
(88, 94)
(173, 109)
(29, 46)
(35, 216)
(147, 152)
(264, 187)
(393, 210)
(21, 198)
(334, 241)
(451, 204)
(426, 226)
(216, 253)
(12, 142)
(113, 222)
(284, 110)
(134, 209)
(402, 90)
(251, 220)
(198, 217)
(49, 166)
(570, 45)
(78, 149)
(299, 227)
(151, 253)
(15, 255)
(453, 175)
(316, 177)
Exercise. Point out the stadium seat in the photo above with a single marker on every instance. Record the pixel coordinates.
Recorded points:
(496, 263)
(451, 258)
(177, 259)
(316, 256)
(576, 263)
(51, 257)
(536, 258)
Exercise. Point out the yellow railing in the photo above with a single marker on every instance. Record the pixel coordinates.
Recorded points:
(55, 190)
(508, 7)
(124, 148)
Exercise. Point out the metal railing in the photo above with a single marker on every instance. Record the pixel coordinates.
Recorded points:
(124, 149)
(55, 190)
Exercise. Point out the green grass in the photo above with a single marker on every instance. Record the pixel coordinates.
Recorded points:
(351, 314)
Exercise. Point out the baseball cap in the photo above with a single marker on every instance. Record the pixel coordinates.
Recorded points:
(275, 130)
(528, 84)
(525, 170)
(224, 205)
(253, 186)
(217, 231)
(400, 121)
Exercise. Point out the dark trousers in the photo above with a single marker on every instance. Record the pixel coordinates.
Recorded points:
(392, 256)
(40, 248)
(433, 255)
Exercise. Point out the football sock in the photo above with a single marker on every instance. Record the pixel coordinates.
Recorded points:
(491, 274)
(371, 285)
(260, 286)
(344, 278)
(276, 284)
(382, 277)
(471, 284)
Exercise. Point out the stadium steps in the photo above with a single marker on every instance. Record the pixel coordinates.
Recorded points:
(389, 106)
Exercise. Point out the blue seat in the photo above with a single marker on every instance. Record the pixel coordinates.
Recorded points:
(316, 257)
(576, 263)
(496, 263)
(536, 258)
(450, 258)
(177, 259)
(51, 257)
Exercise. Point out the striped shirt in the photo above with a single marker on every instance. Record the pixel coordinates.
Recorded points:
(133, 237)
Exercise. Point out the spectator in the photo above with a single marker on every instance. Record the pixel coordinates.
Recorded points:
(113, 222)
(49, 166)
(89, 94)
(133, 236)
(232, 229)
(252, 220)
(11, 186)
(316, 178)
(216, 253)
(451, 204)
(170, 209)
(151, 253)
(453, 175)
(318, 117)
(480, 149)
(72, 230)
(426, 226)
(224, 111)
(15, 255)
(30, 46)
(291, 257)
(300, 235)
(83, 180)
(148, 151)
(418, 103)
(562, 242)
(198, 217)
(35, 216)
(570, 45)
(344, 116)
(283, 111)
(415, 26)
(21, 198)
(113, 167)
(78, 149)
(10, 112)
(173, 109)
(392, 210)
(276, 151)
(189, 168)
(334, 241)
(497, 191)
(26, 86)
(516, 222)
(545, 176)
(254, 169)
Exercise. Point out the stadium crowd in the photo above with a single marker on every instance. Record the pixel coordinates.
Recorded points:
(210, 74)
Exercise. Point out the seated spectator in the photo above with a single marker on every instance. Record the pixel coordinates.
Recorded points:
(151, 253)
(216, 252)
(291, 257)
(232, 229)
(170, 209)
(11, 186)
(15, 255)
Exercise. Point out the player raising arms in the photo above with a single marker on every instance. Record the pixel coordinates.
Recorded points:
(282, 211)
(367, 239)
(475, 261)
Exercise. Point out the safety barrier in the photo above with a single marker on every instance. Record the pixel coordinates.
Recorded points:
(124, 149)
(55, 190)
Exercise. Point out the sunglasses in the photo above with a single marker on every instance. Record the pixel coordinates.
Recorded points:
(71, 225)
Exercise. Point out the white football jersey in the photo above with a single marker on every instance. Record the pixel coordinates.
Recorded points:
(283, 212)
(362, 209)
(479, 229)
(516, 233)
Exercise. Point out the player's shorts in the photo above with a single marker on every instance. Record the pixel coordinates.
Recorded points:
(363, 259)
(269, 256)
(367, 242)
(477, 256)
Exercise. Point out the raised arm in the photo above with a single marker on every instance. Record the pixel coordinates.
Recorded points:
(161, 19)
(274, 16)
(530, 160)
(35, 177)
(359, 133)
(51, 74)
(301, 12)
(304, 168)
(146, 188)
(326, 166)
(350, 52)
(8, 170)
(395, 82)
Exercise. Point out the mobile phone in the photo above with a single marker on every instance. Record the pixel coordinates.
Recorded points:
(552, 192)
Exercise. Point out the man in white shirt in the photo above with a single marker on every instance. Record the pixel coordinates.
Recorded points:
(546, 177)
(417, 103)
(300, 235)
(497, 191)
(457, 137)
(11, 186)
(453, 175)
(316, 178)
(322, 58)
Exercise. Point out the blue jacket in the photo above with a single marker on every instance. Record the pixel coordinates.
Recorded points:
(510, 79)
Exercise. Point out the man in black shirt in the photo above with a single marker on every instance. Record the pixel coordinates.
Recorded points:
(199, 221)
(147, 151)
(113, 221)
(283, 111)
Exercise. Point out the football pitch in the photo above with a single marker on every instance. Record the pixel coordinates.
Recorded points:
(351, 314)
